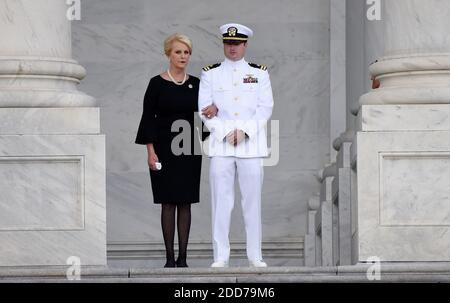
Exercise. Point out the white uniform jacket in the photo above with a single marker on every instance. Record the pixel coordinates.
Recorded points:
(243, 94)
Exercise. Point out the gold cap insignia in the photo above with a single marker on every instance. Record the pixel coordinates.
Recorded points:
(232, 31)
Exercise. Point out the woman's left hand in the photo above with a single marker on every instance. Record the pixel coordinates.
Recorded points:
(210, 111)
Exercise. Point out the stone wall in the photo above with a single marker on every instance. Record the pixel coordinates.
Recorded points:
(120, 45)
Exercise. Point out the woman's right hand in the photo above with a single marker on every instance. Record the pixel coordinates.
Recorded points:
(152, 157)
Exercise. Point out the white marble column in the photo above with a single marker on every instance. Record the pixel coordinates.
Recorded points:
(36, 65)
(403, 145)
(52, 155)
(416, 62)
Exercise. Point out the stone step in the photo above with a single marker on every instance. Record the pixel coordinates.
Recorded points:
(201, 262)
(341, 274)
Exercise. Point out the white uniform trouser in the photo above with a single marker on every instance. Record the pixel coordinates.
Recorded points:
(250, 176)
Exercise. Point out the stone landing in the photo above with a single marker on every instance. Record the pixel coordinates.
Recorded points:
(420, 272)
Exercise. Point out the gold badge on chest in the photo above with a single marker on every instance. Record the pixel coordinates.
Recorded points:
(250, 79)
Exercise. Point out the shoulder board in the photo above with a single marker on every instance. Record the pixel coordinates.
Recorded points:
(263, 67)
(209, 67)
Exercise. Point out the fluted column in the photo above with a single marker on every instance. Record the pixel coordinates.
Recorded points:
(52, 155)
(402, 143)
(36, 65)
(415, 68)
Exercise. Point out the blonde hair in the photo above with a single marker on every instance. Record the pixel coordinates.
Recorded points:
(179, 38)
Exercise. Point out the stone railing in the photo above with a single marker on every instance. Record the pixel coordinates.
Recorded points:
(341, 189)
(328, 241)
(320, 225)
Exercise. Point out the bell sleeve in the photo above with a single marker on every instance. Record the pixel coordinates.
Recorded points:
(147, 131)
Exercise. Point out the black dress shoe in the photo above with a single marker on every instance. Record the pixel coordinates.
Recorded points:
(181, 263)
(169, 264)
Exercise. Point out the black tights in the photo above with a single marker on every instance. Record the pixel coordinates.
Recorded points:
(168, 228)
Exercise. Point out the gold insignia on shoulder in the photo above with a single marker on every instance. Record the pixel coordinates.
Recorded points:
(209, 67)
(260, 66)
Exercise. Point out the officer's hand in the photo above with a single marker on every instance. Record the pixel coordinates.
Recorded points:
(210, 111)
(239, 136)
(231, 138)
(235, 137)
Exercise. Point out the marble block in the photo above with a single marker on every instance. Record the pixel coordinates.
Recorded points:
(326, 189)
(403, 211)
(343, 158)
(335, 231)
(324, 220)
(353, 212)
(324, 232)
(53, 199)
(313, 206)
(310, 250)
(318, 250)
(343, 203)
(50, 121)
(404, 117)
(311, 221)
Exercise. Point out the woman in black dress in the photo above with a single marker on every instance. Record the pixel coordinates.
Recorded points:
(172, 96)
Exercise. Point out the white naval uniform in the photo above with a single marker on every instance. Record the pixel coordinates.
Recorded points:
(243, 95)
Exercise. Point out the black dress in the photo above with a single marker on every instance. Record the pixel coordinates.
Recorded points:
(178, 182)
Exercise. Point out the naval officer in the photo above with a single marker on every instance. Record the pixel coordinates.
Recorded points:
(243, 95)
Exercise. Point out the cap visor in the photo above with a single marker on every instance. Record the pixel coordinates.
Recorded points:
(234, 42)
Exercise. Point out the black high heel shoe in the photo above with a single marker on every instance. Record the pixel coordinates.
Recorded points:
(181, 263)
(170, 263)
